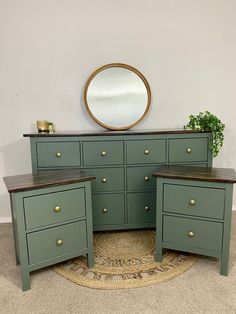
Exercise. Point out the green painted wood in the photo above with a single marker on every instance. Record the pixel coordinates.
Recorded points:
(141, 207)
(159, 227)
(207, 202)
(140, 178)
(93, 143)
(42, 244)
(178, 150)
(108, 209)
(41, 210)
(227, 230)
(207, 235)
(149, 151)
(47, 154)
(107, 179)
(103, 153)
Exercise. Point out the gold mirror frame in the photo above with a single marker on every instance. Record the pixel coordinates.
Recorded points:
(113, 65)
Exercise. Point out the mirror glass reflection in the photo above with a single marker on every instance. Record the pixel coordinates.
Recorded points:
(117, 97)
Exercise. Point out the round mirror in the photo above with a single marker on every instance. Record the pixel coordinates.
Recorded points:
(117, 96)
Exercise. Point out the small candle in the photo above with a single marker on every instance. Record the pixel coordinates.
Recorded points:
(42, 125)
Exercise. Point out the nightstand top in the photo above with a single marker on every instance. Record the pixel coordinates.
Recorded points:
(225, 175)
(44, 179)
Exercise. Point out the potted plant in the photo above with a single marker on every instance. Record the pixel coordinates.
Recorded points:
(206, 121)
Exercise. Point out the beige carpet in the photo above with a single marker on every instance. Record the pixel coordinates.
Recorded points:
(199, 290)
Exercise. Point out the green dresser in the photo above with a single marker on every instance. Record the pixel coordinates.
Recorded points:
(123, 194)
(194, 207)
(52, 218)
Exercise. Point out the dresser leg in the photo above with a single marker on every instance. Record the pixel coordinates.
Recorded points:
(159, 254)
(224, 263)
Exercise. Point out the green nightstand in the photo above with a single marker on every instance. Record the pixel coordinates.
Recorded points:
(52, 218)
(194, 208)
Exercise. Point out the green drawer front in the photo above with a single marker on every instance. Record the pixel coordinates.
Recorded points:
(146, 151)
(140, 178)
(188, 150)
(42, 245)
(108, 209)
(58, 154)
(42, 210)
(107, 179)
(192, 200)
(103, 153)
(141, 207)
(206, 235)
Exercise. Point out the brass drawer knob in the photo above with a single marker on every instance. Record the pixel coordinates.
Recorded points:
(189, 150)
(104, 180)
(146, 152)
(192, 202)
(103, 154)
(191, 234)
(58, 155)
(146, 178)
(57, 209)
(146, 208)
(104, 210)
(59, 242)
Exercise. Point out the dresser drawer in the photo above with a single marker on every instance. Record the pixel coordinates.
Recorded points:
(107, 179)
(140, 178)
(108, 209)
(103, 153)
(188, 150)
(45, 244)
(194, 200)
(58, 154)
(46, 209)
(193, 233)
(146, 151)
(141, 207)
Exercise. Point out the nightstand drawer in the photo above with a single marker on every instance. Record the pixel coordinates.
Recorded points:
(108, 209)
(58, 154)
(141, 207)
(103, 153)
(140, 178)
(51, 243)
(188, 150)
(50, 208)
(193, 233)
(194, 200)
(107, 179)
(146, 151)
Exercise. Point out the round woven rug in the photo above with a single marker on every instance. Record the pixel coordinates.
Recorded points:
(125, 259)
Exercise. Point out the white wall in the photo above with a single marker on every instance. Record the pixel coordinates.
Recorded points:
(185, 48)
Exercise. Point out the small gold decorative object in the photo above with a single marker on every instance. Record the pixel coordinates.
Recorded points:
(57, 209)
(146, 208)
(42, 125)
(146, 178)
(59, 242)
(191, 234)
(146, 152)
(103, 153)
(104, 210)
(50, 127)
(192, 202)
(189, 150)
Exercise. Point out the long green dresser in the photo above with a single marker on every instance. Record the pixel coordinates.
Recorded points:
(123, 194)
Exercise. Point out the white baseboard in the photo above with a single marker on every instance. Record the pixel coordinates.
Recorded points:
(4, 220)
(8, 219)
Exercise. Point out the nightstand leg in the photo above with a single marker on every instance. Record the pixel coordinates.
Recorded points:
(90, 260)
(25, 277)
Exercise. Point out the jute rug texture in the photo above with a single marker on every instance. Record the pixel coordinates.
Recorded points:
(125, 259)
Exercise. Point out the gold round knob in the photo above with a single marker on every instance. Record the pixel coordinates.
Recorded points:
(189, 150)
(104, 180)
(146, 208)
(192, 202)
(103, 153)
(59, 242)
(104, 210)
(146, 178)
(58, 155)
(146, 152)
(191, 234)
(57, 209)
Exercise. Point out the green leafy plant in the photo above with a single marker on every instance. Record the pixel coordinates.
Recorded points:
(206, 121)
